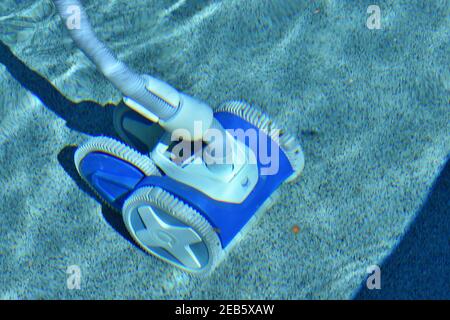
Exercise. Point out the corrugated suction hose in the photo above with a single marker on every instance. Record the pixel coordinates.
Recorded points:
(128, 82)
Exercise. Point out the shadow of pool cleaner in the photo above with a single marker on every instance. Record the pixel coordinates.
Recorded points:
(101, 122)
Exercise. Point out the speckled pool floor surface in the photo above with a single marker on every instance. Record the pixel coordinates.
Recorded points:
(370, 107)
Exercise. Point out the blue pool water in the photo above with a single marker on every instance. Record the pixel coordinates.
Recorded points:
(371, 108)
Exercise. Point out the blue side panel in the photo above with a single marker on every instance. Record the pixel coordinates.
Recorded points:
(227, 217)
(113, 178)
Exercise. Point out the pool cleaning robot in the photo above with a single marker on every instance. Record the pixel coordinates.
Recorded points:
(204, 175)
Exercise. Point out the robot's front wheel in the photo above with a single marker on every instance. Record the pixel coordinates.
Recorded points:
(166, 227)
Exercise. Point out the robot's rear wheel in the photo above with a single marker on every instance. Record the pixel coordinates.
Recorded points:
(166, 227)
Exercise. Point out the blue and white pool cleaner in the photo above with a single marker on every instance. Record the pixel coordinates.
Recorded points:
(191, 194)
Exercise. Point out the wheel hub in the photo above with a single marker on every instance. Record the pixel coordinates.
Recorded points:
(175, 239)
